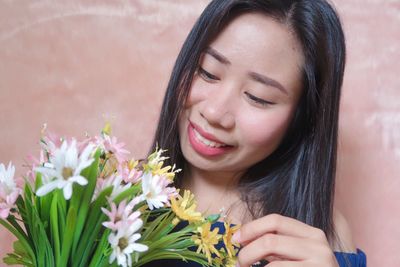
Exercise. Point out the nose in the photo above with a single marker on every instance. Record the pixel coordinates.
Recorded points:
(219, 108)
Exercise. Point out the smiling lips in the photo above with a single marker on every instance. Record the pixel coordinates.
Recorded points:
(204, 143)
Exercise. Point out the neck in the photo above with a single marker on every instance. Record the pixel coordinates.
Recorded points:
(215, 191)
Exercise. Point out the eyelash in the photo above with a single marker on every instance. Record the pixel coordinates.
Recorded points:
(206, 75)
(258, 100)
(211, 78)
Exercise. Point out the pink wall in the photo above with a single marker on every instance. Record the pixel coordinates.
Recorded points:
(69, 63)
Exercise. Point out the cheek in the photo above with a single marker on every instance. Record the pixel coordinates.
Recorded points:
(264, 130)
(198, 92)
(196, 95)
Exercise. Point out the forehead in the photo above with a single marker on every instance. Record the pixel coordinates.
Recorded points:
(256, 42)
(260, 32)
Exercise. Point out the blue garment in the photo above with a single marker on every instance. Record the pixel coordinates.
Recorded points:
(358, 259)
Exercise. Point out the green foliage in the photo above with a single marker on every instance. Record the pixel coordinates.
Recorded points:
(52, 231)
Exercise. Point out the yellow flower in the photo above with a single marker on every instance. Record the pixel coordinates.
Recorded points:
(131, 164)
(229, 231)
(206, 240)
(110, 165)
(230, 262)
(225, 260)
(107, 128)
(155, 164)
(185, 207)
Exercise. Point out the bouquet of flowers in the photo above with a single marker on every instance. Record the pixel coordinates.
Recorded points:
(85, 203)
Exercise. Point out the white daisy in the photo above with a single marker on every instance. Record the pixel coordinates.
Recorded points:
(156, 190)
(65, 168)
(123, 243)
(9, 190)
(7, 175)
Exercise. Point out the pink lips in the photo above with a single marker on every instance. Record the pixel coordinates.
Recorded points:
(202, 148)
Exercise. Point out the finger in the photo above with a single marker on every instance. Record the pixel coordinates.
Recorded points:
(273, 246)
(277, 224)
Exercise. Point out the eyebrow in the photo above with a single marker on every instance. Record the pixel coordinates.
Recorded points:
(217, 55)
(253, 75)
(267, 81)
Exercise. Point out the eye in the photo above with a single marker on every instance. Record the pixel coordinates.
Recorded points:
(257, 100)
(207, 76)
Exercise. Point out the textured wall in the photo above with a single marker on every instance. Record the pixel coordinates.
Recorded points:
(69, 63)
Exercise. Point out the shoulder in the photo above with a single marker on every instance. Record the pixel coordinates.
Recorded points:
(343, 231)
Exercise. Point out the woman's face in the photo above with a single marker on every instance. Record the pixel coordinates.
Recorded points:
(243, 96)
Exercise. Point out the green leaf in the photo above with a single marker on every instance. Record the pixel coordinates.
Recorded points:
(86, 250)
(183, 244)
(68, 237)
(19, 249)
(11, 219)
(160, 226)
(213, 218)
(20, 237)
(92, 228)
(62, 214)
(44, 251)
(90, 173)
(42, 246)
(99, 254)
(95, 209)
(150, 227)
(36, 241)
(185, 255)
(38, 181)
(54, 224)
(20, 255)
(13, 259)
(44, 211)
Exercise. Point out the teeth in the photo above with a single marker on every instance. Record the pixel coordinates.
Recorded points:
(206, 141)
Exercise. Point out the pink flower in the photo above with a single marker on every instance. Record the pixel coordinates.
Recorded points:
(9, 190)
(129, 173)
(115, 181)
(121, 215)
(50, 142)
(81, 145)
(34, 162)
(111, 145)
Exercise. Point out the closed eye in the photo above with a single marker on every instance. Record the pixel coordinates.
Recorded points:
(258, 100)
(207, 76)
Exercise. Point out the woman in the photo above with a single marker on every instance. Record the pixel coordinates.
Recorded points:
(251, 115)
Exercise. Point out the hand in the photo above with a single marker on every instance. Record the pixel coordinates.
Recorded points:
(284, 242)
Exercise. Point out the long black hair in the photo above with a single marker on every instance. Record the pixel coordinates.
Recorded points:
(298, 178)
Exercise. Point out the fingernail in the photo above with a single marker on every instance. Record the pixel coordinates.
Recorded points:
(236, 237)
(237, 265)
